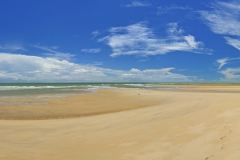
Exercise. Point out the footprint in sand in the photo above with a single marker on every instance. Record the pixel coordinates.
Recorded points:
(222, 147)
(222, 142)
(222, 139)
(208, 157)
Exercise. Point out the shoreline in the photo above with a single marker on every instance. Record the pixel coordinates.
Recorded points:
(74, 105)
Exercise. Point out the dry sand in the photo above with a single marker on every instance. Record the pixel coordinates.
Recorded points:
(125, 124)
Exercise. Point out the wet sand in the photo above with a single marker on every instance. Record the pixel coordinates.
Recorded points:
(124, 124)
(69, 106)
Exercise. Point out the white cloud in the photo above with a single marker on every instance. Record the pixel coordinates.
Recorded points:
(53, 52)
(138, 39)
(231, 74)
(136, 3)
(224, 19)
(24, 68)
(152, 75)
(91, 50)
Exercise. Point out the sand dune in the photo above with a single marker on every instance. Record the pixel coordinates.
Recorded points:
(125, 124)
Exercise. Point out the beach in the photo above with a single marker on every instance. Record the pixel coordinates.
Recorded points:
(188, 122)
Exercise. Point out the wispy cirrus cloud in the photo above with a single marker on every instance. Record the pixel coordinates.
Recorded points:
(12, 47)
(91, 50)
(224, 61)
(223, 19)
(95, 34)
(25, 68)
(230, 73)
(54, 52)
(166, 9)
(139, 40)
(137, 3)
(233, 42)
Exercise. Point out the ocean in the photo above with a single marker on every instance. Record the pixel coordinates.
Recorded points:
(18, 89)
(22, 89)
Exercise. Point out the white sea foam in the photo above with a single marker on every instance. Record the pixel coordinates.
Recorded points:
(134, 85)
(5, 88)
(22, 87)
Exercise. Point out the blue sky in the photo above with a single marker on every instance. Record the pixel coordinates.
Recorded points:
(119, 41)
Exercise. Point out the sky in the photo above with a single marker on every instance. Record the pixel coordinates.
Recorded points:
(120, 41)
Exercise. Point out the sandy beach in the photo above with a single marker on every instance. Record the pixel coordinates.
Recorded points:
(191, 123)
